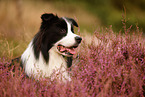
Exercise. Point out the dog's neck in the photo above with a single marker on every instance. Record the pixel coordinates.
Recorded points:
(67, 61)
(59, 62)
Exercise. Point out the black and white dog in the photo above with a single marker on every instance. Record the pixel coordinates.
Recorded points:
(52, 48)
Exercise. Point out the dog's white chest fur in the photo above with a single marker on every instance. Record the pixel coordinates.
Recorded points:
(39, 68)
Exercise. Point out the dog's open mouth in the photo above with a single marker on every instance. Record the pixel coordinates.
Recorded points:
(67, 50)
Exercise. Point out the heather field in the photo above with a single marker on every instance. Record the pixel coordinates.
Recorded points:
(110, 67)
(107, 64)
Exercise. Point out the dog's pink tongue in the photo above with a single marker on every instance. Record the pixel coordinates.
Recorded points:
(71, 50)
(62, 49)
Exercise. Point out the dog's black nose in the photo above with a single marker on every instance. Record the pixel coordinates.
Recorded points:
(78, 39)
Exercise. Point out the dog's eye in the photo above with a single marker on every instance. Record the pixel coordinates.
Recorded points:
(63, 31)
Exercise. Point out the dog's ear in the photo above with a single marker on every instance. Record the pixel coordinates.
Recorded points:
(48, 17)
(73, 21)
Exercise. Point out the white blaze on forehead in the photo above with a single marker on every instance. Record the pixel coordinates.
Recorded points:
(68, 25)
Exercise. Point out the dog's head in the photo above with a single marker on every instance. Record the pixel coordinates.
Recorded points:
(57, 33)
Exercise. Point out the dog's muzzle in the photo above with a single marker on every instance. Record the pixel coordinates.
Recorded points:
(69, 51)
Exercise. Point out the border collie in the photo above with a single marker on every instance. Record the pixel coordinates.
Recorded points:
(52, 48)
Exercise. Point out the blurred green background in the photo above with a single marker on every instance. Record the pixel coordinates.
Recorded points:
(20, 19)
(109, 12)
(104, 12)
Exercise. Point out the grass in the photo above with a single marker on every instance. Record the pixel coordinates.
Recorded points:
(109, 64)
